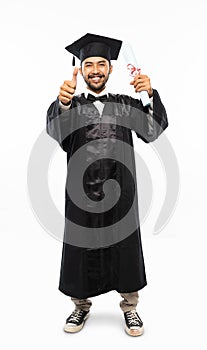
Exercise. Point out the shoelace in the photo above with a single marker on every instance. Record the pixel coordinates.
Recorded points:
(133, 318)
(75, 316)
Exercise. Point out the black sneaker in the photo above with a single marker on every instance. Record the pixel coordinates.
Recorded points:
(134, 324)
(75, 321)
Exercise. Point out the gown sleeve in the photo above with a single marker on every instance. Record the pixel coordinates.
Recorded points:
(59, 124)
(149, 122)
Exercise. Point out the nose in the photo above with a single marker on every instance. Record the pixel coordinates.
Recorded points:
(95, 69)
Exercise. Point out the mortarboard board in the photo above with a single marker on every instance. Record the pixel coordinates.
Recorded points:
(91, 45)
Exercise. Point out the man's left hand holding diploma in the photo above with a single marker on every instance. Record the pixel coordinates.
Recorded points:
(142, 82)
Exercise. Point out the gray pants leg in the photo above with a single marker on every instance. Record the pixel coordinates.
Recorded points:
(82, 304)
(130, 301)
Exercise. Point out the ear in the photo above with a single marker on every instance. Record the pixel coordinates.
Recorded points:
(110, 69)
(80, 71)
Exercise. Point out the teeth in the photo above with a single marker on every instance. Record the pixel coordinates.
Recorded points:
(96, 79)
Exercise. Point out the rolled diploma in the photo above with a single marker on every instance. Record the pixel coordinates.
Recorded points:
(131, 61)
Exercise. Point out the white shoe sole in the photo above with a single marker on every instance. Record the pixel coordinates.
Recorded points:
(135, 332)
(74, 329)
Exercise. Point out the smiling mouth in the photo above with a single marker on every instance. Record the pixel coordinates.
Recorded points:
(96, 79)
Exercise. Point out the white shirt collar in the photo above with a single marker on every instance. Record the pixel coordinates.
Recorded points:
(87, 91)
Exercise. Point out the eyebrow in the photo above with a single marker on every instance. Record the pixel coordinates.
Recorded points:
(102, 61)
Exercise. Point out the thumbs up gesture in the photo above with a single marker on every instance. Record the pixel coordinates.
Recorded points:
(67, 90)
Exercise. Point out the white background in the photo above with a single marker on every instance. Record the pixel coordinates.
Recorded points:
(169, 39)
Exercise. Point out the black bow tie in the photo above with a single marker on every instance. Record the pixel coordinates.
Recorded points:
(93, 98)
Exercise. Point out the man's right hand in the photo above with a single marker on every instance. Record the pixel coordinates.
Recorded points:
(67, 90)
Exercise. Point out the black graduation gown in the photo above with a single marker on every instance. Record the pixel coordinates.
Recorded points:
(96, 265)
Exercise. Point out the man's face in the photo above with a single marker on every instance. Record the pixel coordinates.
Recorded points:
(95, 72)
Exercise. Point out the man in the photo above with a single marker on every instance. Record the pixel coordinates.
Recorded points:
(102, 248)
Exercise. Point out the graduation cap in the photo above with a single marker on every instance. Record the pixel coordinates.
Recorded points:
(91, 45)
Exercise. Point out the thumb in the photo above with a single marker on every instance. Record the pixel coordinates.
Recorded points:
(75, 73)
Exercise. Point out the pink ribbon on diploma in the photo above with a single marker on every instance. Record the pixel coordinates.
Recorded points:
(133, 70)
